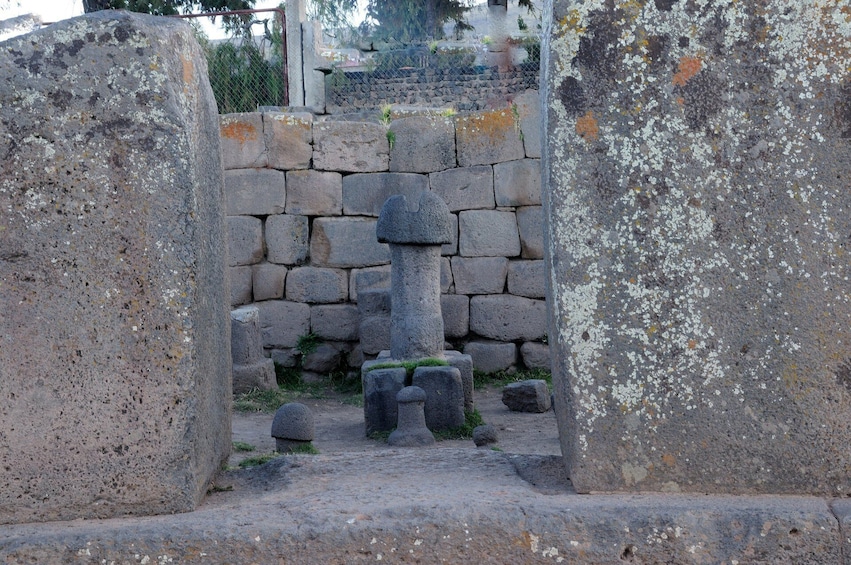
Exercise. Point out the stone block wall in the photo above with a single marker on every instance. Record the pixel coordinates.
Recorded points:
(303, 198)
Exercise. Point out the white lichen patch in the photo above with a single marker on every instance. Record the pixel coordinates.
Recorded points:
(636, 279)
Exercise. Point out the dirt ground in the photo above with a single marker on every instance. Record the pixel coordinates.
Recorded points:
(340, 428)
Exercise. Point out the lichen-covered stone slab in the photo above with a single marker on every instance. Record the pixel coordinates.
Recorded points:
(115, 367)
(697, 168)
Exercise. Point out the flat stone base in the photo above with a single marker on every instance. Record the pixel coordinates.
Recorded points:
(469, 505)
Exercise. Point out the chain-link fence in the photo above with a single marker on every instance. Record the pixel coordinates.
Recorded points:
(463, 77)
(249, 69)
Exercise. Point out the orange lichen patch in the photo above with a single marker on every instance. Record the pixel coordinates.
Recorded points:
(587, 127)
(692, 344)
(188, 70)
(681, 101)
(493, 124)
(689, 66)
(669, 460)
(239, 132)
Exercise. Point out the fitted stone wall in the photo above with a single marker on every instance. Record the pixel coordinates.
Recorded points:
(303, 197)
(465, 89)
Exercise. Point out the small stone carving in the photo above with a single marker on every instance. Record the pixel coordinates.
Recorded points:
(485, 435)
(411, 430)
(250, 368)
(527, 396)
(292, 427)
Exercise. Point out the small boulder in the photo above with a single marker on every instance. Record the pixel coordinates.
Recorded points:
(292, 427)
(527, 396)
(484, 435)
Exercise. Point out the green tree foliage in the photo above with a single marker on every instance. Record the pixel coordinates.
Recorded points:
(167, 7)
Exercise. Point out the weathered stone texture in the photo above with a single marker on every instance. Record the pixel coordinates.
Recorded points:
(242, 141)
(337, 322)
(535, 355)
(479, 275)
(451, 248)
(245, 240)
(289, 139)
(491, 356)
(531, 395)
(488, 137)
(698, 220)
(365, 194)
(527, 278)
(529, 109)
(517, 183)
(530, 223)
(115, 364)
(356, 147)
(369, 278)
(455, 309)
(422, 144)
(287, 239)
(255, 192)
(282, 322)
(314, 193)
(508, 318)
(467, 188)
(251, 370)
(239, 279)
(444, 396)
(346, 243)
(380, 388)
(488, 233)
(317, 285)
(268, 281)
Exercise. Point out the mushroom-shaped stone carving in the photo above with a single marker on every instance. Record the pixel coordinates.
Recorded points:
(292, 427)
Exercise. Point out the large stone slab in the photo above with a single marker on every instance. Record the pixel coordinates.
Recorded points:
(243, 146)
(422, 144)
(484, 138)
(314, 193)
(289, 140)
(508, 318)
(698, 219)
(287, 239)
(114, 335)
(301, 508)
(257, 192)
(354, 147)
(479, 275)
(364, 194)
(282, 322)
(317, 285)
(529, 110)
(467, 188)
(346, 243)
(517, 183)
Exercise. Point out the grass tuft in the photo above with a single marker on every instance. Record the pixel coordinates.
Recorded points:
(242, 446)
(503, 378)
(258, 460)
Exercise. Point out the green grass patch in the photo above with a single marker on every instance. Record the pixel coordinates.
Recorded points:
(503, 378)
(242, 446)
(471, 420)
(410, 366)
(381, 436)
(262, 400)
(258, 460)
(304, 449)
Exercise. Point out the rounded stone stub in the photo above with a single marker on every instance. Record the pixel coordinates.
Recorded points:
(293, 421)
(410, 394)
(428, 225)
(245, 314)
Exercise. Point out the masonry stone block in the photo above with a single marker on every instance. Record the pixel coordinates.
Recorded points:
(491, 356)
(314, 193)
(530, 223)
(317, 285)
(702, 305)
(243, 146)
(374, 333)
(255, 192)
(282, 322)
(337, 322)
(355, 147)
(451, 248)
(444, 396)
(326, 358)
(488, 233)
(446, 279)
(240, 285)
(365, 194)
(488, 137)
(368, 278)
(375, 302)
(517, 183)
(422, 144)
(535, 355)
(244, 240)
(456, 315)
(468, 188)
(288, 357)
(251, 370)
(380, 387)
(287, 239)
(479, 275)
(268, 281)
(346, 243)
(508, 318)
(464, 364)
(529, 109)
(115, 356)
(289, 139)
(527, 278)
(531, 395)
